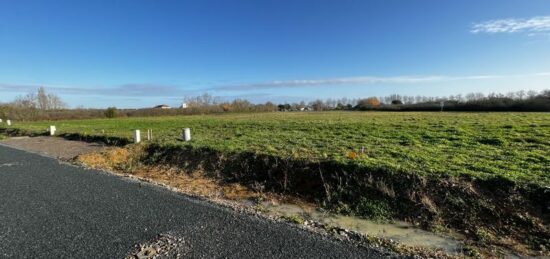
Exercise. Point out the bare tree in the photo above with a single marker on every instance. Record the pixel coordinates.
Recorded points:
(479, 96)
(40, 100)
(318, 105)
(520, 94)
(201, 100)
(28, 101)
(531, 94)
(55, 103)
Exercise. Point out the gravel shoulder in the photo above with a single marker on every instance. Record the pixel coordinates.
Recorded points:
(53, 146)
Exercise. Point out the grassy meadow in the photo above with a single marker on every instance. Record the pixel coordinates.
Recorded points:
(515, 146)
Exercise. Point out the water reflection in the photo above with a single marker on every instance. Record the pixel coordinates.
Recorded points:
(400, 231)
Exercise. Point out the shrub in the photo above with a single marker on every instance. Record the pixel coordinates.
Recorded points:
(111, 112)
(226, 107)
(368, 103)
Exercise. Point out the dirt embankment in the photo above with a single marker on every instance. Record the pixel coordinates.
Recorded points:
(493, 212)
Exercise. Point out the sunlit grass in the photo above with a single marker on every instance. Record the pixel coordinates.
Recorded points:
(515, 146)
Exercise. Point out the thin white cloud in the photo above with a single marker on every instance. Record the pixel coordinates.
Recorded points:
(364, 81)
(532, 26)
(137, 90)
(330, 81)
(173, 91)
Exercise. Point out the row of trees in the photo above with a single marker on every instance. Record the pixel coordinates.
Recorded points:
(44, 106)
(513, 101)
(208, 102)
(409, 99)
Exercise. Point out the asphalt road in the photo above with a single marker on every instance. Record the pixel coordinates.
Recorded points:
(50, 209)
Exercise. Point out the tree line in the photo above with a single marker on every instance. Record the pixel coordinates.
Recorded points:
(512, 101)
(40, 105)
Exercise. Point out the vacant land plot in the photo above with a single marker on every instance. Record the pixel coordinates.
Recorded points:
(515, 146)
(485, 175)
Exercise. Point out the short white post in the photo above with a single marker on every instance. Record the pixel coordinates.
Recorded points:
(52, 130)
(137, 136)
(149, 134)
(187, 134)
(8, 122)
(0, 120)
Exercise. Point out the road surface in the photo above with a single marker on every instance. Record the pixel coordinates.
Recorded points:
(50, 209)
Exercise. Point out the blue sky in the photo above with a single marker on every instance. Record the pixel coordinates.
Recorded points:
(140, 53)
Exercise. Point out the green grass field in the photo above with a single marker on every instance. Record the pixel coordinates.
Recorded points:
(515, 146)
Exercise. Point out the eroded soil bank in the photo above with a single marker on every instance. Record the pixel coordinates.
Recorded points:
(490, 212)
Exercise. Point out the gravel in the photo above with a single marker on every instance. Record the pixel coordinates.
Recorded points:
(53, 146)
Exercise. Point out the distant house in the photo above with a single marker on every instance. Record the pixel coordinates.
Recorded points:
(183, 105)
(162, 106)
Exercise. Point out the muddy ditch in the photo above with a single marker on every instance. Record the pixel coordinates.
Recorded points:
(490, 212)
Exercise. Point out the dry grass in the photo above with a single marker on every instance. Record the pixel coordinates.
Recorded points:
(123, 161)
(429, 204)
(108, 159)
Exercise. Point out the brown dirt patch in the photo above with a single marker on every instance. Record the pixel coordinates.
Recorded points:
(127, 161)
(122, 160)
(53, 146)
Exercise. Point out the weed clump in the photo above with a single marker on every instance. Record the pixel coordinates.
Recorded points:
(484, 235)
(377, 210)
(296, 219)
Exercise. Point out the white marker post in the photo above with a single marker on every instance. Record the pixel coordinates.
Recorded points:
(187, 134)
(137, 136)
(149, 134)
(8, 122)
(0, 120)
(52, 130)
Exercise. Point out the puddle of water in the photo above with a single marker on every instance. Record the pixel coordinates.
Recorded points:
(400, 231)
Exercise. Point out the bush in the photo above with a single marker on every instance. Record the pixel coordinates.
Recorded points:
(369, 103)
(111, 112)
